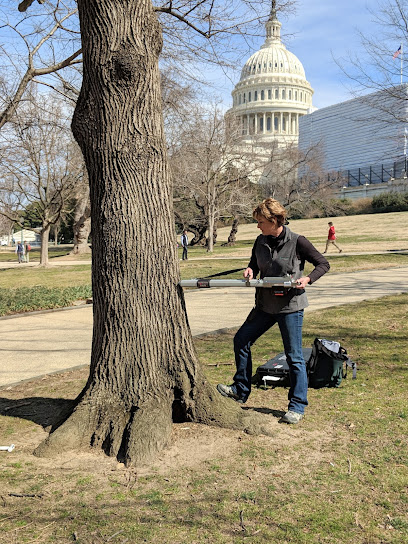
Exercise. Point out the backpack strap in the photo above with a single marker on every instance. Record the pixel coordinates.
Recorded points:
(312, 361)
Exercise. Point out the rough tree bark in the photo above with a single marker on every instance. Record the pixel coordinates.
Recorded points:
(211, 200)
(45, 236)
(232, 238)
(199, 238)
(82, 225)
(144, 371)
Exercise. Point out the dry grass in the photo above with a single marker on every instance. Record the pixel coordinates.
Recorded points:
(340, 477)
(373, 232)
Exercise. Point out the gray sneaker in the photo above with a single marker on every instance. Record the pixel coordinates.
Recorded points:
(291, 417)
(229, 391)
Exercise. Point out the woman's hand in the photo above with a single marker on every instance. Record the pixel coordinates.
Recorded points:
(302, 282)
(248, 273)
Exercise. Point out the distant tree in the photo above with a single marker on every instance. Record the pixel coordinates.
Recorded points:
(40, 169)
(6, 228)
(238, 205)
(295, 176)
(209, 167)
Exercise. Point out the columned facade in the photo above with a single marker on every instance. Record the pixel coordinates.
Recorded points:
(270, 123)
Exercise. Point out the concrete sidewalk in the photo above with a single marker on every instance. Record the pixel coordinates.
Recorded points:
(61, 261)
(4, 265)
(41, 343)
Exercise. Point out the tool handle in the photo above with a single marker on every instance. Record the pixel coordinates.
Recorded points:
(267, 282)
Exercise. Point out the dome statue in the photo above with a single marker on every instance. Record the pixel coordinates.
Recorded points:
(273, 91)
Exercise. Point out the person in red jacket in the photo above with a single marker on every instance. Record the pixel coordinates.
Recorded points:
(331, 238)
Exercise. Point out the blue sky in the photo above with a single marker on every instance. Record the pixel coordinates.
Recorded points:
(324, 31)
(321, 31)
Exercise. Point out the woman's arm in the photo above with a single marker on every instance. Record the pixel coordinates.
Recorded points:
(307, 252)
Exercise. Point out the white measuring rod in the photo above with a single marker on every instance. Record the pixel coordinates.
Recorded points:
(202, 283)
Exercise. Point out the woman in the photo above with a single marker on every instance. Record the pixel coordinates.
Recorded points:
(277, 252)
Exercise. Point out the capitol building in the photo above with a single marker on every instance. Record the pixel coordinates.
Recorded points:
(272, 112)
(272, 93)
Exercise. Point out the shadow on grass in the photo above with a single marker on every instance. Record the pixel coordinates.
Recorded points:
(48, 412)
(40, 410)
(263, 410)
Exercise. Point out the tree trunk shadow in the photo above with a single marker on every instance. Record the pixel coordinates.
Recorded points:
(47, 412)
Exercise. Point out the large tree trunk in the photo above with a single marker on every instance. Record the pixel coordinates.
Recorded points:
(56, 229)
(199, 235)
(144, 372)
(211, 197)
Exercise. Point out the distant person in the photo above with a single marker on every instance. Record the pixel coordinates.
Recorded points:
(184, 244)
(331, 238)
(27, 248)
(20, 252)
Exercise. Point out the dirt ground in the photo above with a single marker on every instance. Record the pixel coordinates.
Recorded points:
(38, 403)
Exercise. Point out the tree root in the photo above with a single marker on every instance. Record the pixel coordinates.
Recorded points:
(135, 436)
(210, 408)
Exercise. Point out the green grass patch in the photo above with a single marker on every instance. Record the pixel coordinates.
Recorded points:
(340, 477)
(56, 276)
(338, 263)
(9, 255)
(219, 249)
(27, 299)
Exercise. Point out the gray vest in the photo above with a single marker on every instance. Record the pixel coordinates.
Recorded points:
(279, 261)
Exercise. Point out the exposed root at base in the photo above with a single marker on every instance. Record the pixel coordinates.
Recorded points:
(136, 436)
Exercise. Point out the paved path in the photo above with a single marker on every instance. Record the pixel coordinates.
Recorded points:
(57, 262)
(40, 343)
(61, 261)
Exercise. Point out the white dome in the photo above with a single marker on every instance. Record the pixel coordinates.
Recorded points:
(273, 59)
(272, 93)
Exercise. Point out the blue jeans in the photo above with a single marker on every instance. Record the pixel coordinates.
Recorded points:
(290, 326)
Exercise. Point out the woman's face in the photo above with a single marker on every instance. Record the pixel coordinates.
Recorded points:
(268, 228)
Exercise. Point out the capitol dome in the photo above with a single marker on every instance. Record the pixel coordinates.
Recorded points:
(272, 59)
(273, 91)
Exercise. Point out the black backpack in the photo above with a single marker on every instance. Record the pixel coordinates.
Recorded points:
(275, 372)
(326, 366)
(328, 363)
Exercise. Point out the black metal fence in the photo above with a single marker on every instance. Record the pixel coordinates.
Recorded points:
(371, 174)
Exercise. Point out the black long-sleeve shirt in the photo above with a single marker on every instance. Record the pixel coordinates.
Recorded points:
(304, 249)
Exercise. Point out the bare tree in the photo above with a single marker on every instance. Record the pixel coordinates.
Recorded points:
(375, 68)
(144, 371)
(295, 176)
(41, 166)
(238, 203)
(6, 227)
(38, 47)
(210, 166)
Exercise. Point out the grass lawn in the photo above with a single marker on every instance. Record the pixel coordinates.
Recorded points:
(339, 477)
(9, 255)
(32, 288)
(367, 232)
(26, 289)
